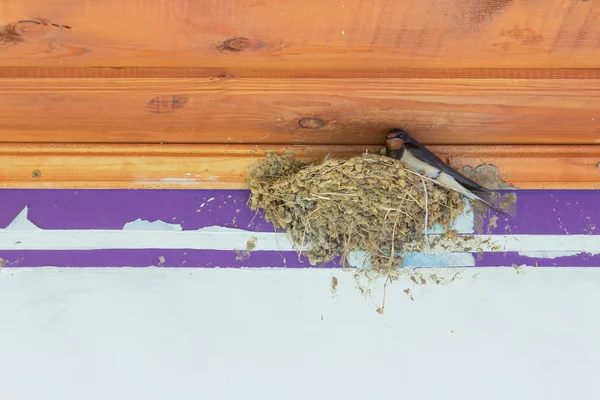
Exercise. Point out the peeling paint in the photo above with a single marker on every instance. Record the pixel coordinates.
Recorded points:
(22, 222)
(143, 234)
(551, 255)
(416, 260)
(206, 202)
(138, 234)
(179, 181)
(158, 225)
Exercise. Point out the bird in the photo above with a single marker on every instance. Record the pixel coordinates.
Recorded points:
(403, 147)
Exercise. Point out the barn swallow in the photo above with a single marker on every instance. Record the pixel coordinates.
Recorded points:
(401, 146)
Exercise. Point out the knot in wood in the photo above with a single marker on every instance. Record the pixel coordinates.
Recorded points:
(311, 123)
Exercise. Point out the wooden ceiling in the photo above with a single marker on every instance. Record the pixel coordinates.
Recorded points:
(462, 74)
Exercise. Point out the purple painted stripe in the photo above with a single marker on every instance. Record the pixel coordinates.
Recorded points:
(538, 212)
(512, 258)
(551, 212)
(112, 209)
(154, 257)
(231, 259)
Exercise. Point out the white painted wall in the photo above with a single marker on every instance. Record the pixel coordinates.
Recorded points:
(71, 334)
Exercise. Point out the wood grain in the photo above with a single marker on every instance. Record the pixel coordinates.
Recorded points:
(224, 167)
(229, 80)
(299, 37)
(268, 111)
(281, 73)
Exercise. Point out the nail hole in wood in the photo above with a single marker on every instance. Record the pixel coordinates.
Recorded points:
(36, 173)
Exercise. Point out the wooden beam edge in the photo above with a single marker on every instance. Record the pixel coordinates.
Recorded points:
(112, 166)
(318, 70)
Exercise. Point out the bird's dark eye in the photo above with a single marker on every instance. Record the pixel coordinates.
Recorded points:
(396, 133)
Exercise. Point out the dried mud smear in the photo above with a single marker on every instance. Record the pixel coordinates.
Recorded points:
(243, 255)
(371, 203)
(488, 176)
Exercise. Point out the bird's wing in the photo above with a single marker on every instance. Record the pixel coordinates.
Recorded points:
(421, 153)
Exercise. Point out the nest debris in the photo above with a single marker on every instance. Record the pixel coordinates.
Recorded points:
(371, 203)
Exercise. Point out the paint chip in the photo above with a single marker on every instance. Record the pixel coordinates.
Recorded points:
(206, 202)
(158, 225)
(22, 223)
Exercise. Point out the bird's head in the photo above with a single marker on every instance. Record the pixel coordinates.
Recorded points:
(394, 143)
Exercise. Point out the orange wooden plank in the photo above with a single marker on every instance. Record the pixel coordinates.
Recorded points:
(268, 111)
(379, 36)
(218, 166)
(281, 73)
(138, 166)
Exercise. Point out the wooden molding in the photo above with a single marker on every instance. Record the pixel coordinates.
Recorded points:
(270, 110)
(224, 166)
(514, 84)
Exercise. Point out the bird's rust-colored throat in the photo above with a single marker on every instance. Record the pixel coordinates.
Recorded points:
(394, 144)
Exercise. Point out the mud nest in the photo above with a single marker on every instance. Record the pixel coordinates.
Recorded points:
(370, 203)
